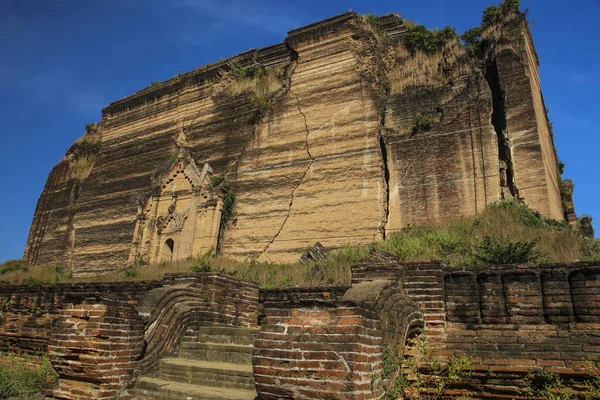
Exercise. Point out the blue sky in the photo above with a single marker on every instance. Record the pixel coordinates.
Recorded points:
(61, 61)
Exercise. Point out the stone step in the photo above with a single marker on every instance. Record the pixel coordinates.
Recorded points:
(206, 373)
(219, 352)
(156, 388)
(221, 334)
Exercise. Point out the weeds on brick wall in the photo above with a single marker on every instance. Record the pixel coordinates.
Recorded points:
(216, 180)
(374, 22)
(419, 38)
(494, 14)
(492, 28)
(425, 376)
(432, 70)
(81, 167)
(422, 123)
(90, 128)
(549, 385)
(256, 82)
(154, 83)
(24, 376)
(228, 215)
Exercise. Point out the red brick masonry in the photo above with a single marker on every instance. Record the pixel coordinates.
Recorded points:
(100, 337)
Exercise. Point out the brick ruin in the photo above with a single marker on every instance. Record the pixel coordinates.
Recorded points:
(315, 343)
(353, 130)
(336, 137)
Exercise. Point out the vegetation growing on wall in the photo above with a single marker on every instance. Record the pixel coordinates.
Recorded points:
(426, 377)
(374, 23)
(256, 82)
(422, 123)
(420, 68)
(492, 29)
(419, 38)
(548, 385)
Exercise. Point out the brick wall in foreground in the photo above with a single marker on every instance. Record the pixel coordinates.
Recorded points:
(101, 337)
(511, 319)
(330, 346)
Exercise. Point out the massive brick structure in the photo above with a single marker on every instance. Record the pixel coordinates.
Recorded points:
(340, 122)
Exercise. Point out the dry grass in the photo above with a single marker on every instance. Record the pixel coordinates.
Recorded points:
(503, 34)
(505, 222)
(457, 243)
(264, 86)
(81, 167)
(431, 70)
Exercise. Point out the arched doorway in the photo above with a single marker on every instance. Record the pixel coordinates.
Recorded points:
(167, 250)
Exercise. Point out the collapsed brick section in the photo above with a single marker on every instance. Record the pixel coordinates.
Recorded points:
(332, 347)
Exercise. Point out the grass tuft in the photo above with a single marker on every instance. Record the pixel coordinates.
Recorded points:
(24, 376)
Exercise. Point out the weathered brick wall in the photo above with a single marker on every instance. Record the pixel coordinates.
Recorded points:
(94, 346)
(100, 337)
(332, 347)
(512, 319)
(27, 311)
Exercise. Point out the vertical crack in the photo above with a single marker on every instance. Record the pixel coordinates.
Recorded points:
(386, 175)
(310, 164)
(507, 178)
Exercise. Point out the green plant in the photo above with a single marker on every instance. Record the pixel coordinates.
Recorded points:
(202, 263)
(493, 14)
(261, 103)
(390, 362)
(4, 303)
(374, 22)
(549, 385)
(425, 376)
(13, 265)
(201, 266)
(251, 72)
(590, 249)
(216, 180)
(517, 252)
(471, 39)
(24, 377)
(130, 272)
(154, 83)
(228, 213)
(89, 128)
(419, 38)
(422, 123)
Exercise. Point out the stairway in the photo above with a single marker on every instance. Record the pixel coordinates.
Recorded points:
(212, 363)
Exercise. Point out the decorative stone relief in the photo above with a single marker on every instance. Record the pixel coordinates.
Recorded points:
(183, 218)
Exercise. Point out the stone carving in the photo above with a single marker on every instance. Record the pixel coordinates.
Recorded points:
(183, 220)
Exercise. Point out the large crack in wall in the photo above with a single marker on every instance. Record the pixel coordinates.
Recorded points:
(507, 178)
(310, 164)
(386, 175)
